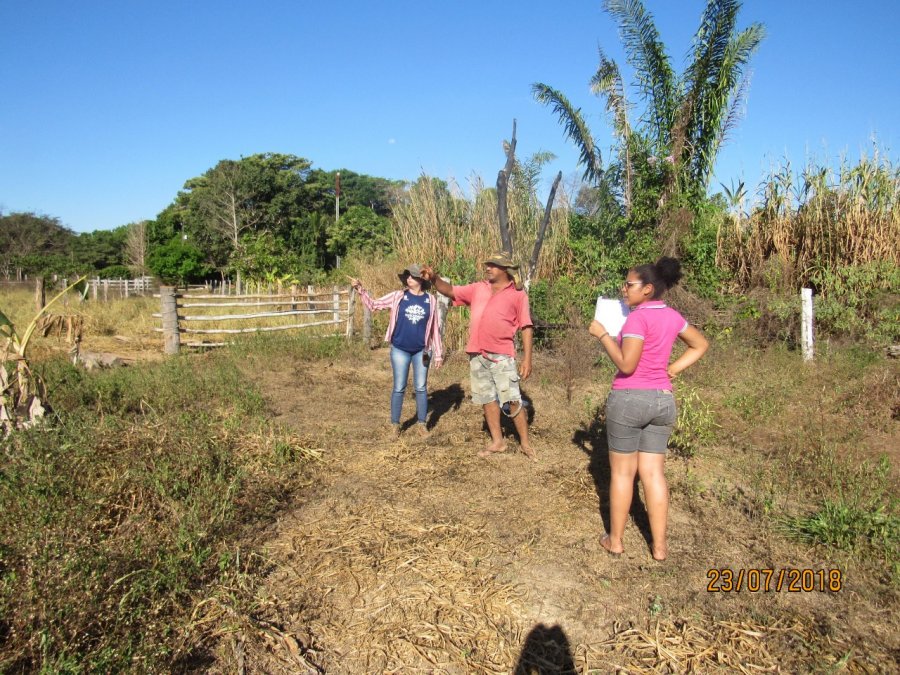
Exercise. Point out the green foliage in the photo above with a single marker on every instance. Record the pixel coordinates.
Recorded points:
(357, 189)
(359, 229)
(115, 523)
(604, 248)
(178, 261)
(698, 251)
(686, 119)
(115, 272)
(860, 301)
(26, 241)
(556, 302)
(263, 257)
(862, 516)
(696, 425)
(849, 527)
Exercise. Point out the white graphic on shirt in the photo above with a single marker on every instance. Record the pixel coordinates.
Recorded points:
(415, 313)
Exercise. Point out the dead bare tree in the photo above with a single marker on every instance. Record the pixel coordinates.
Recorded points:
(136, 247)
(503, 210)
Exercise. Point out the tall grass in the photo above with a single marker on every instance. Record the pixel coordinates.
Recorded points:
(812, 220)
(454, 233)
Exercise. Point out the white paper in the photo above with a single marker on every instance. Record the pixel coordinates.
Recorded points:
(611, 313)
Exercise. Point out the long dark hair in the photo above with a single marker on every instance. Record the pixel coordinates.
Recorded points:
(663, 275)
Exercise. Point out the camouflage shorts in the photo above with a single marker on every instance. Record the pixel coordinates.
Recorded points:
(494, 378)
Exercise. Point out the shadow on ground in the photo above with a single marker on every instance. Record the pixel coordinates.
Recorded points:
(591, 438)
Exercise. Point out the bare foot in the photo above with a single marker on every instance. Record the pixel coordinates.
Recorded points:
(529, 452)
(659, 553)
(493, 448)
(606, 543)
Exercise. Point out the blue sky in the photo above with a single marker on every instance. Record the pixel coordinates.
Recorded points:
(109, 106)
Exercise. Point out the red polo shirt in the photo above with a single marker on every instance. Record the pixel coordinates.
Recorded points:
(495, 316)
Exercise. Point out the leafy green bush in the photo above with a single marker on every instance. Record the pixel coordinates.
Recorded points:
(178, 261)
(561, 302)
(699, 247)
(860, 301)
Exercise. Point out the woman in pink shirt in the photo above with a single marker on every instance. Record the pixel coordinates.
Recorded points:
(640, 410)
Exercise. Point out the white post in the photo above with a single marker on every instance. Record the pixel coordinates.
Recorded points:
(806, 323)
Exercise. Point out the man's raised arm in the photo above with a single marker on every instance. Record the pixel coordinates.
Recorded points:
(441, 286)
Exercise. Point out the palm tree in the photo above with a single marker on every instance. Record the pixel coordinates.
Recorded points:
(686, 119)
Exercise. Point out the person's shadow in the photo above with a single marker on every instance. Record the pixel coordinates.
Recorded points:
(443, 401)
(591, 438)
(546, 652)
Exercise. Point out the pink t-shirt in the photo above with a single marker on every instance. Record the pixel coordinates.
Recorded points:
(658, 326)
(495, 316)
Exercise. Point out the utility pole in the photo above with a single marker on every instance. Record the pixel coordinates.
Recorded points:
(337, 196)
(337, 207)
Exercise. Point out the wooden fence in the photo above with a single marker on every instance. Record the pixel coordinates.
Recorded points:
(106, 289)
(294, 310)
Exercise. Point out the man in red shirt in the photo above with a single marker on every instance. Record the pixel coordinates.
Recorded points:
(499, 308)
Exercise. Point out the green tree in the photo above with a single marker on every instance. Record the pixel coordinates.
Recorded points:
(28, 242)
(261, 192)
(178, 261)
(95, 252)
(359, 229)
(378, 194)
(687, 118)
(264, 257)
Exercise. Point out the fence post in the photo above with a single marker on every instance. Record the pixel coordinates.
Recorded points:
(351, 310)
(309, 297)
(335, 304)
(367, 326)
(806, 323)
(106, 290)
(40, 298)
(127, 281)
(169, 320)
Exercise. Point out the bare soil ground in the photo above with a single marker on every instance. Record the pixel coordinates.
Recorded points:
(414, 555)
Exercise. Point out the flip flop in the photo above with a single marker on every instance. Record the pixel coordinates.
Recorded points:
(614, 554)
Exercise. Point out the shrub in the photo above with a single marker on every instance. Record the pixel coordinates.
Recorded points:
(695, 426)
(860, 301)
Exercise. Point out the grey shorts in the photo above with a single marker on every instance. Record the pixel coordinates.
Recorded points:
(494, 378)
(639, 420)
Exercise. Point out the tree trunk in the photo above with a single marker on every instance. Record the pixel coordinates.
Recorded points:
(542, 231)
(502, 189)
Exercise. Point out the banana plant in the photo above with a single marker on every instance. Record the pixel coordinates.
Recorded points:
(22, 392)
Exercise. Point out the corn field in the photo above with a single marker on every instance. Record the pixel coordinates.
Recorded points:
(816, 219)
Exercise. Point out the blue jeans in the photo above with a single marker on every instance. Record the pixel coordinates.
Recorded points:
(400, 361)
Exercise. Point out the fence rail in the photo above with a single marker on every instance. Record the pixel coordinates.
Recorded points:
(336, 303)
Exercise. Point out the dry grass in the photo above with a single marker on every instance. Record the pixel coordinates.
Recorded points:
(416, 556)
(123, 325)
(454, 233)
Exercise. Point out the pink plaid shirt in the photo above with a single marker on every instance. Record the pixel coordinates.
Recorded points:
(391, 301)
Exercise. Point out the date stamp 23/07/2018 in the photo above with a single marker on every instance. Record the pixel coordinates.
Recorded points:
(764, 580)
